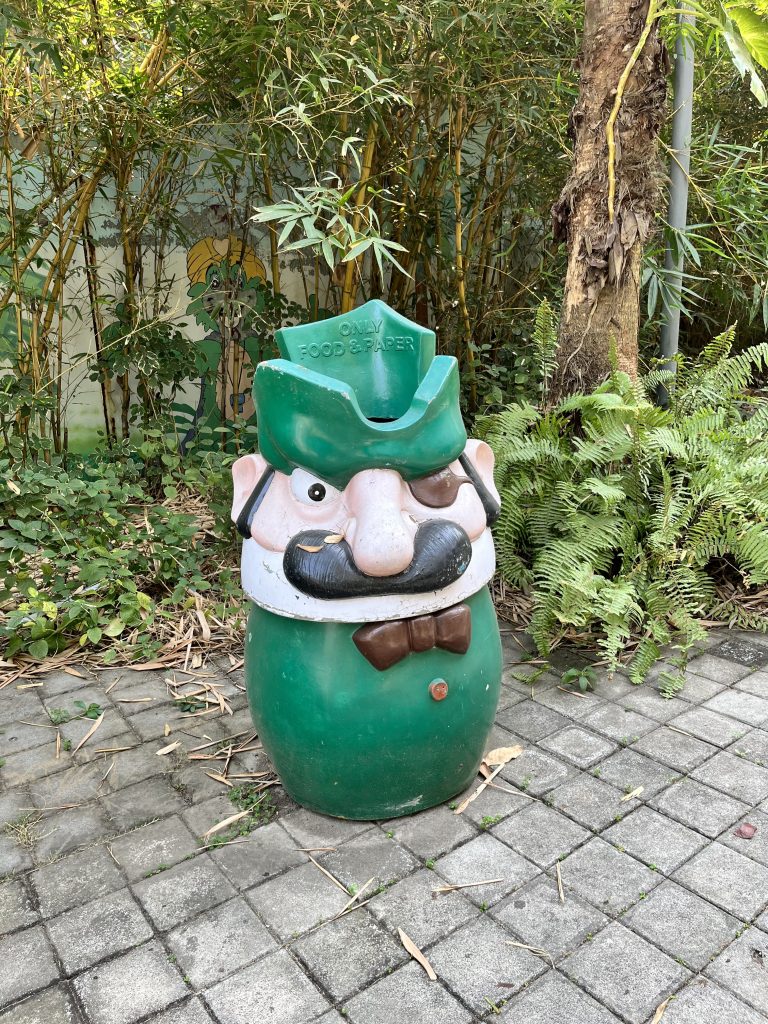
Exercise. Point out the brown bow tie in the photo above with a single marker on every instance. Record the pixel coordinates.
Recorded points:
(386, 643)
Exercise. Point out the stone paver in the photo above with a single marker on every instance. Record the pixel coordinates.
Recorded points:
(609, 880)
(406, 995)
(702, 1001)
(53, 1006)
(555, 1000)
(219, 942)
(628, 771)
(27, 964)
(153, 847)
(541, 834)
(269, 851)
(371, 855)
(757, 846)
(349, 954)
(132, 986)
(274, 990)
(706, 724)
(297, 901)
(685, 926)
(735, 776)
(113, 914)
(592, 802)
(413, 906)
(699, 806)
(85, 935)
(474, 959)
(16, 908)
(537, 916)
(741, 968)
(179, 893)
(656, 840)
(727, 879)
(676, 749)
(746, 707)
(579, 746)
(626, 973)
(75, 880)
(486, 858)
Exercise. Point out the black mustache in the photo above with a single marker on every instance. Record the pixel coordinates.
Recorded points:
(441, 553)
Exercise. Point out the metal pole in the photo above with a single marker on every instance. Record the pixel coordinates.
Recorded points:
(678, 187)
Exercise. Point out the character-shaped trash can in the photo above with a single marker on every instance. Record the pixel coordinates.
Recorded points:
(373, 657)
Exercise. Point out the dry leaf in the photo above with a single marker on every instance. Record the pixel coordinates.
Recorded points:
(417, 955)
(560, 892)
(660, 1011)
(312, 548)
(166, 730)
(223, 824)
(503, 754)
(12, 486)
(219, 778)
(148, 666)
(73, 672)
(169, 748)
(467, 885)
(532, 949)
(334, 538)
(90, 732)
(632, 795)
(134, 700)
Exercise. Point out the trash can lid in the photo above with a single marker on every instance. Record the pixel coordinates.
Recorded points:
(358, 391)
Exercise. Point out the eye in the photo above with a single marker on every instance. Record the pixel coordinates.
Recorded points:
(307, 489)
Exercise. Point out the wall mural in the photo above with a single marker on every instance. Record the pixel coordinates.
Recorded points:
(226, 294)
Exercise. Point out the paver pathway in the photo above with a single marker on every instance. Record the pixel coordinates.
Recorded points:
(112, 913)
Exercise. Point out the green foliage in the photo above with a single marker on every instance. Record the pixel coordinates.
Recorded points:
(261, 809)
(617, 514)
(581, 679)
(98, 552)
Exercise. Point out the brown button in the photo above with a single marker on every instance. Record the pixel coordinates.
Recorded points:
(438, 689)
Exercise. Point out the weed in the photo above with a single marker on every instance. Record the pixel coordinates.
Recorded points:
(58, 716)
(157, 870)
(490, 820)
(261, 810)
(92, 710)
(430, 864)
(24, 829)
(581, 679)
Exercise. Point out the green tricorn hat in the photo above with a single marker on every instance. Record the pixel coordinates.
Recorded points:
(363, 390)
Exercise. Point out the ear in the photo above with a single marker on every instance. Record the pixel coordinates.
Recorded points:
(482, 458)
(245, 475)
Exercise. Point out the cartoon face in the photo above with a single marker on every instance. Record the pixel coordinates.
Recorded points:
(380, 547)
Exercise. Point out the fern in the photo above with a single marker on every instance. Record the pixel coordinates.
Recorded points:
(614, 511)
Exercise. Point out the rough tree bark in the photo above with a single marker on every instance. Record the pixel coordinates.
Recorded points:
(601, 303)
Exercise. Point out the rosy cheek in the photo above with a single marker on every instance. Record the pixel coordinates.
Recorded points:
(280, 516)
(467, 511)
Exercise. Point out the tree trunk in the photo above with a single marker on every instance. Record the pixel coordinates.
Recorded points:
(601, 304)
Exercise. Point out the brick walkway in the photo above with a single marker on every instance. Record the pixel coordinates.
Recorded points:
(111, 913)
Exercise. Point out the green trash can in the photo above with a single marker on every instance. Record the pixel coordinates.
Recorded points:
(373, 657)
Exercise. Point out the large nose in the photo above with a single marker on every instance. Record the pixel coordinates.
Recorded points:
(379, 533)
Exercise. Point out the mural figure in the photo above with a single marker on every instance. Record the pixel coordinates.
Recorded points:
(224, 277)
(373, 657)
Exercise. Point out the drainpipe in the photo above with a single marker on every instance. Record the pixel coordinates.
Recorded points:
(680, 163)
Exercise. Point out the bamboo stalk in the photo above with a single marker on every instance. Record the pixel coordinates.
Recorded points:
(348, 293)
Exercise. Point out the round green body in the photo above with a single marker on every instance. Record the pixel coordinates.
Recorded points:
(354, 742)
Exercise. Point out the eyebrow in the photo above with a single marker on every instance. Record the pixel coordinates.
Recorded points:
(255, 498)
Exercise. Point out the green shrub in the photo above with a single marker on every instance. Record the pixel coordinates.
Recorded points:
(99, 550)
(617, 514)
